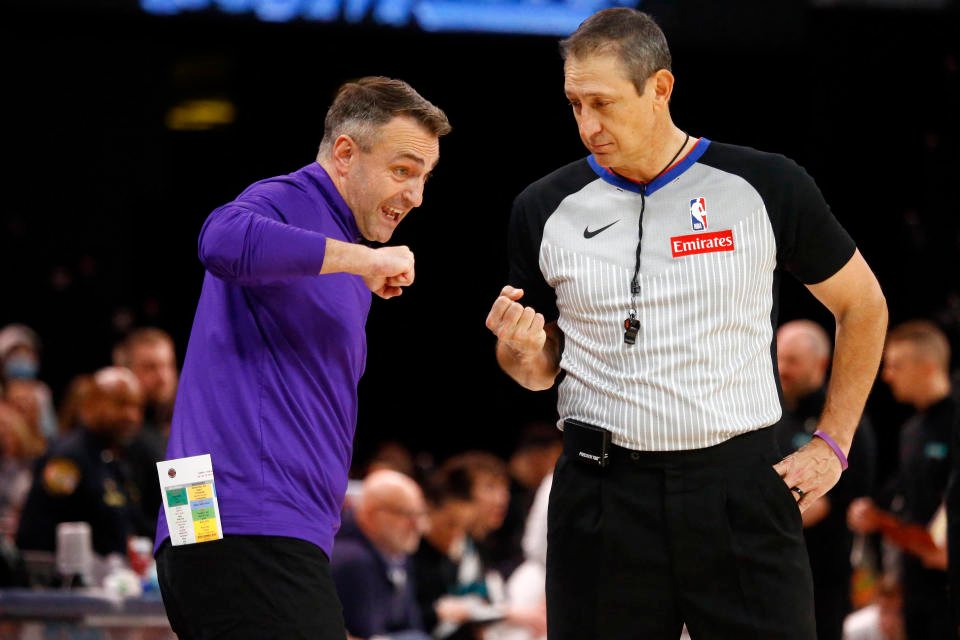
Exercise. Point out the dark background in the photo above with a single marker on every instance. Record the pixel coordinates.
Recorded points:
(102, 203)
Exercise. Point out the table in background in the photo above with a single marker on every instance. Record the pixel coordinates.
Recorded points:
(82, 614)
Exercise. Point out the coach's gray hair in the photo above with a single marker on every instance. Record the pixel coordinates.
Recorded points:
(362, 106)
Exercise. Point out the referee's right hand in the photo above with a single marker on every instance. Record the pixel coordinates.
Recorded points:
(518, 327)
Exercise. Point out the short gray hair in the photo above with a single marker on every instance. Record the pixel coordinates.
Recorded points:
(817, 338)
(929, 340)
(362, 106)
(633, 36)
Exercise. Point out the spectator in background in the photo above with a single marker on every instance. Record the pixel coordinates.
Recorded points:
(389, 454)
(803, 358)
(526, 586)
(28, 398)
(952, 508)
(16, 459)
(68, 415)
(20, 350)
(916, 366)
(393, 455)
(20, 395)
(83, 477)
(533, 458)
(487, 484)
(489, 481)
(19, 448)
(479, 588)
(450, 510)
(150, 354)
(371, 561)
(880, 620)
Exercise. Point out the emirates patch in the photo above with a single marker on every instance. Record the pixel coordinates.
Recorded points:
(695, 243)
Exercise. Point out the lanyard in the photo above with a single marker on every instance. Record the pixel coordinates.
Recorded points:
(631, 326)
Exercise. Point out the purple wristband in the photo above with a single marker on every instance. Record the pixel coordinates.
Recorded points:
(833, 445)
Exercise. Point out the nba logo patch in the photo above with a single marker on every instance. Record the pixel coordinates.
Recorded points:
(698, 214)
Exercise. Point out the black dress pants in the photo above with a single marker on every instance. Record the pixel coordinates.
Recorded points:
(249, 588)
(710, 537)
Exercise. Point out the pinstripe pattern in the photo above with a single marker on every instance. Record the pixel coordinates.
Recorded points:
(701, 370)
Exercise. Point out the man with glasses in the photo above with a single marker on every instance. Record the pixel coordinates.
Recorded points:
(372, 555)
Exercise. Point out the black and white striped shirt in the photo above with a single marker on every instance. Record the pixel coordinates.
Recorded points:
(718, 228)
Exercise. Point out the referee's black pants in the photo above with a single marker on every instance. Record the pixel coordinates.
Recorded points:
(709, 537)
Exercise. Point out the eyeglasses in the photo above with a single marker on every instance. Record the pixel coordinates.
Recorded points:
(405, 513)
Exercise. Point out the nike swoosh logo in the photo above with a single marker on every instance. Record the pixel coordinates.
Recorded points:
(589, 234)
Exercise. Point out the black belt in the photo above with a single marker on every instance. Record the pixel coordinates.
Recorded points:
(592, 446)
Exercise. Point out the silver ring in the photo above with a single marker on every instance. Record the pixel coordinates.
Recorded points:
(800, 492)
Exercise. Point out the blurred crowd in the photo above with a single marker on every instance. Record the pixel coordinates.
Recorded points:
(456, 547)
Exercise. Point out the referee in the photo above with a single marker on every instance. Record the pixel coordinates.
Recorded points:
(643, 280)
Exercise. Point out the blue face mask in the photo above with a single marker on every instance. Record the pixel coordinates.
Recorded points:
(20, 368)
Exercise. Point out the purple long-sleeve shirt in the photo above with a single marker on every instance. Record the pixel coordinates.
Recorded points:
(269, 381)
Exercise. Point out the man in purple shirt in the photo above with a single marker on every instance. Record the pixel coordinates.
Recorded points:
(269, 382)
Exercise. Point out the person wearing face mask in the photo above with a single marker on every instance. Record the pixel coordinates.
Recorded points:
(84, 477)
(268, 386)
(20, 357)
(19, 352)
